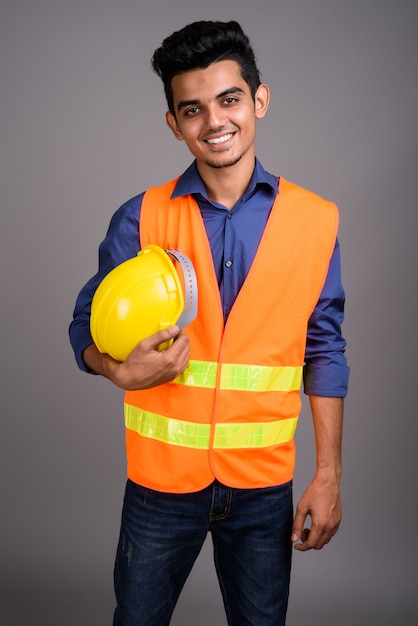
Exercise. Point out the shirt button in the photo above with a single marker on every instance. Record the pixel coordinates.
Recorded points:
(228, 264)
(230, 216)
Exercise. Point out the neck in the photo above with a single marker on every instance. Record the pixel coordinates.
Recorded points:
(226, 185)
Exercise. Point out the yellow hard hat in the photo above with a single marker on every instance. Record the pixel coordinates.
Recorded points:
(140, 297)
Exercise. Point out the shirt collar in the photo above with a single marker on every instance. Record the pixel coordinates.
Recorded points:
(191, 183)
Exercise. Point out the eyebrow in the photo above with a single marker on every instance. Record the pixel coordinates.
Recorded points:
(186, 103)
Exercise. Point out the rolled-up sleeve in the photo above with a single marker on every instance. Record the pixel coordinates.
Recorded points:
(326, 372)
(120, 244)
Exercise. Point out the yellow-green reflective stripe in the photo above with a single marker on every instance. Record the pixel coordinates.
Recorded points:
(165, 429)
(199, 374)
(191, 435)
(260, 378)
(254, 435)
(241, 377)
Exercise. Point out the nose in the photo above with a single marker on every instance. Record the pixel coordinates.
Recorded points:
(215, 118)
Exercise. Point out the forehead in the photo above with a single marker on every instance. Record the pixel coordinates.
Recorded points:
(208, 83)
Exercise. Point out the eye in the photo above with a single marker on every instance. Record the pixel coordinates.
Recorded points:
(191, 111)
(230, 100)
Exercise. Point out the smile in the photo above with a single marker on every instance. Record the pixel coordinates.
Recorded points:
(223, 139)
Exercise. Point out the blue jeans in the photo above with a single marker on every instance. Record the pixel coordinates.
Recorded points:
(161, 537)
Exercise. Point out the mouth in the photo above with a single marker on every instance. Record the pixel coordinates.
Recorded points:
(220, 140)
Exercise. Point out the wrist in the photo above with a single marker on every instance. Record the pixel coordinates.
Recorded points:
(328, 472)
(111, 369)
(101, 363)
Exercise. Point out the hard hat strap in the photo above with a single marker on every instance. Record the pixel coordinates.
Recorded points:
(190, 288)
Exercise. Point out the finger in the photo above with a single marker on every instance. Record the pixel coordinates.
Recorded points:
(161, 336)
(298, 522)
(314, 539)
(310, 540)
(303, 545)
(179, 349)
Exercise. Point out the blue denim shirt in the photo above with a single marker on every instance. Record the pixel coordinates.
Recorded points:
(234, 236)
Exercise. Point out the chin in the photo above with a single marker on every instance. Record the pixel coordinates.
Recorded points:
(220, 164)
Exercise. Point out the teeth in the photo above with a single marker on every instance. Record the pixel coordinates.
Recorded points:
(220, 139)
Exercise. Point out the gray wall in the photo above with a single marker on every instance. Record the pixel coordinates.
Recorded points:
(82, 131)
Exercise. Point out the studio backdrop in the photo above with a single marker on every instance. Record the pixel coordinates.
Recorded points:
(82, 131)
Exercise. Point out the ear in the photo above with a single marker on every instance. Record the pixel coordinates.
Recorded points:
(172, 124)
(262, 100)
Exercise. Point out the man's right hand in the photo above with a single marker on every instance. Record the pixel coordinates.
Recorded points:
(145, 366)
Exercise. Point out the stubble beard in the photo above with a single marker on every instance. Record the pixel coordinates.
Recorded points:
(217, 165)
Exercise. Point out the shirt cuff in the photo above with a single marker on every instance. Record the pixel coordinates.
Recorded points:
(329, 380)
(80, 361)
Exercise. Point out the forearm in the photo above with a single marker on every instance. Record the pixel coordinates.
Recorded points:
(99, 363)
(322, 499)
(327, 414)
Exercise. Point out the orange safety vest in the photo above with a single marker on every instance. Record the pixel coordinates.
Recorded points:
(233, 413)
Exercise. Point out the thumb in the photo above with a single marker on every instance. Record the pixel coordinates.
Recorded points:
(298, 523)
(161, 336)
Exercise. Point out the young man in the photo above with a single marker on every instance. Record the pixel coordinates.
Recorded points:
(210, 420)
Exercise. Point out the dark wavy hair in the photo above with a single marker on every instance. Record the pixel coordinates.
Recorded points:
(198, 45)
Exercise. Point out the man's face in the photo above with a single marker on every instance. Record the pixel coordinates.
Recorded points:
(215, 114)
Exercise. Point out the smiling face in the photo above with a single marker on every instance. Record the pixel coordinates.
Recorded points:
(216, 115)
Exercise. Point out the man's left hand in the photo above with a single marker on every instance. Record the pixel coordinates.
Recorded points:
(322, 503)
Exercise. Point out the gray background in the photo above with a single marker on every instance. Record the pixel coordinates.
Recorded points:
(82, 130)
